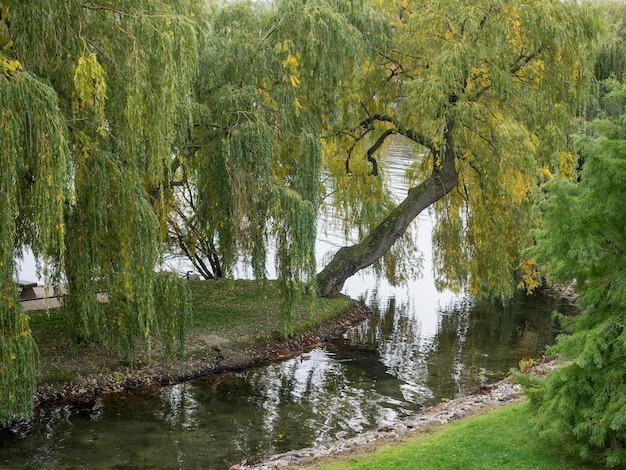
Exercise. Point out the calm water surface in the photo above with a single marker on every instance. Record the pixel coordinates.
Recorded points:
(418, 347)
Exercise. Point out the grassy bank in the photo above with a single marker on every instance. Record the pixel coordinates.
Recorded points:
(233, 325)
(498, 438)
(244, 309)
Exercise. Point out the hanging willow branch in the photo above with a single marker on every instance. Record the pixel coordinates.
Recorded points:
(124, 80)
(34, 167)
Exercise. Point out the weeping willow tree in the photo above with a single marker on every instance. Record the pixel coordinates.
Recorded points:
(611, 61)
(245, 139)
(124, 75)
(269, 79)
(486, 91)
(33, 176)
(81, 156)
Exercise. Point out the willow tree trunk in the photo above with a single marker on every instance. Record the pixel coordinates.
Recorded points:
(350, 259)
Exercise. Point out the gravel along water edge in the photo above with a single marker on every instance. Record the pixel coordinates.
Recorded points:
(501, 393)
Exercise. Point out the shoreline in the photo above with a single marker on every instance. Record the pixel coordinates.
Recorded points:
(227, 356)
(91, 371)
(498, 394)
(97, 372)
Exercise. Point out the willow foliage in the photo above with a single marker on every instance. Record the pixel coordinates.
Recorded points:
(124, 75)
(270, 77)
(506, 78)
(611, 61)
(81, 156)
(33, 177)
(521, 73)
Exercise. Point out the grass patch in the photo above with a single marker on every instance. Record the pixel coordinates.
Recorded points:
(499, 438)
(246, 309)
(56, 373)
(238, 313)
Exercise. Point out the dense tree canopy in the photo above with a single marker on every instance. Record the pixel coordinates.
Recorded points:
(35, 158)
(111, 107)
(269, 78)
(584, 240)
(488, 91)
(96, 99)
(130, 122)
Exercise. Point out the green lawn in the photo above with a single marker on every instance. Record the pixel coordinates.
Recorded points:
(253, 308)
(500, 438)
(241, 309)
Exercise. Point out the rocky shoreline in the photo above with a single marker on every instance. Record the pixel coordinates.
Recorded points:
(501, 393)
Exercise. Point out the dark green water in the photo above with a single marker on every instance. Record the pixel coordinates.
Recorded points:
(387, 368)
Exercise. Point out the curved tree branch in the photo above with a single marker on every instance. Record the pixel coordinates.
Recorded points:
(349, 260)
(368, 123)
(375, 147)
(400, 129)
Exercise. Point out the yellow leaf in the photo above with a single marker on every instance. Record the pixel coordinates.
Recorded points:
(546, 174)
(567, 165)
(529, 271)
(290, 62)
(8, 67)
(14, 65)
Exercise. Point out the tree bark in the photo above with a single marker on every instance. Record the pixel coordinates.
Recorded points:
(350, 259)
